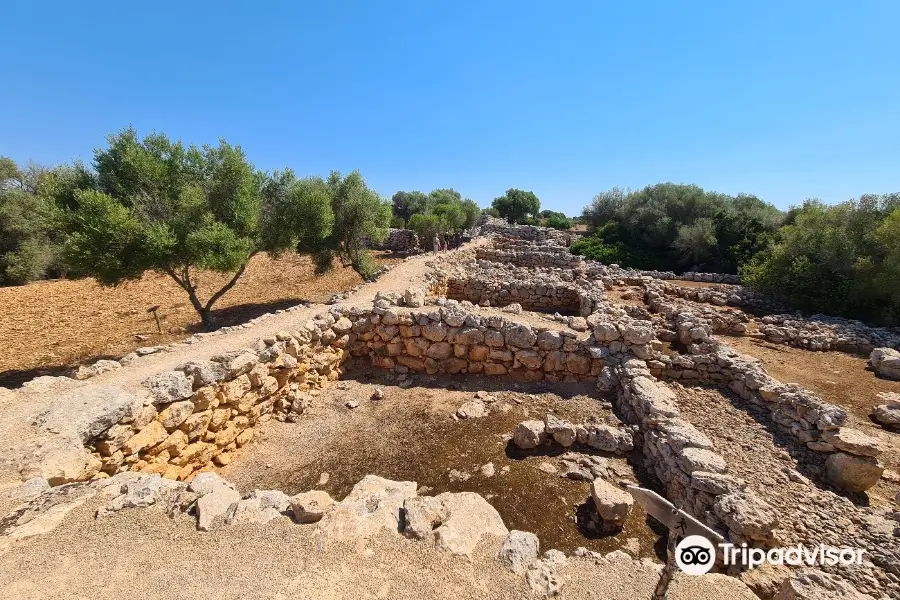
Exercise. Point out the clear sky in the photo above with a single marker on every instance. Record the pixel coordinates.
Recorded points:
(786, 100)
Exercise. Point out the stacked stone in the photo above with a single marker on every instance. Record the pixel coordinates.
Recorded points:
(886, 362)
(451, 339)
(553, 257)
(397, 240)
(820, 332)
(683, 458)
(733, 322)
(710, 277)
(852, 462)
(200, 413)
(537, 235)
(615, 275)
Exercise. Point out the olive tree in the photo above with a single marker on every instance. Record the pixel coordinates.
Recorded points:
(334, 217)
(516, 205)
(161, 206)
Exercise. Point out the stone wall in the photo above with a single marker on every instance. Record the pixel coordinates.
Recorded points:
(684, 459)
(852, 457)
(397, 240)
(820, 332)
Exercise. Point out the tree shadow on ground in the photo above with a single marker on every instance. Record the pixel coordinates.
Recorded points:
(241, 313)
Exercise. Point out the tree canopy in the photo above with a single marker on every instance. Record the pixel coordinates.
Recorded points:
(159, 205)
(517, 205)
(679, 227)
(442, 211)
(840, 260)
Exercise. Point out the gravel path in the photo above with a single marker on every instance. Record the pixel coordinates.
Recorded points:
(789, 478)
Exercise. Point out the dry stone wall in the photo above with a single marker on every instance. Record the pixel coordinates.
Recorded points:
(397, 240)
(695, 476)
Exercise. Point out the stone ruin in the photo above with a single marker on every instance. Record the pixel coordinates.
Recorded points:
(163, 445)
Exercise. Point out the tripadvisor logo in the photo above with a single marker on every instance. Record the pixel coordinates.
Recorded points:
(696, 555)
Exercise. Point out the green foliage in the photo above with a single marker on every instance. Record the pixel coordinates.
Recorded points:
(679, 227)
(406, 204)
(426, 227)
(332, 218)
(441, 212)
(159, 205)
(492, 212)
(839, 260)
(29, 235)
(398, 223)
(605, 245)
(515, 205)
(558, 221)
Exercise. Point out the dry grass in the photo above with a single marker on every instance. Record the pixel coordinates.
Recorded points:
(51, 325)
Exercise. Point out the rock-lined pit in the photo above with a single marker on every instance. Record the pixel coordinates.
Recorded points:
(413, 434)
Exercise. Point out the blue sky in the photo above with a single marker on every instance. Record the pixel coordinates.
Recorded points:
(785, 100)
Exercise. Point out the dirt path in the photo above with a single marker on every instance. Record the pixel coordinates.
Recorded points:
(408, 273)
(141, 553)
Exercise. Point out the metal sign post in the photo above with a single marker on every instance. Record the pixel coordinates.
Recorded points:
(680, 525)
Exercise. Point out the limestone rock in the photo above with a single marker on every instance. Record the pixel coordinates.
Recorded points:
(746, 514)
(519, 549)
(373, 504)
(853, 473)
(609, 439)
(852, 441)
(613, 504)
(147, 437)
(813, 584)
(88, 411)
(473, 409)
(143, 492)
(169, 387)
(529, 434)
(204, 372)
(456, 522)
(260, 507)
(175, 414)
(310, 507)
(886, 362)
(561, 431)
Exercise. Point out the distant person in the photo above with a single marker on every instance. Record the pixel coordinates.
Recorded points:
(568, 240)
(437, 244)
(446, 245)
(457, 240)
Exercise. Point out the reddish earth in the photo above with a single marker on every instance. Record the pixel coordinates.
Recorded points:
(48, 326)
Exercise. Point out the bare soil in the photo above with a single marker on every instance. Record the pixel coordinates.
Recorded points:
(411, 435)
(49, 326)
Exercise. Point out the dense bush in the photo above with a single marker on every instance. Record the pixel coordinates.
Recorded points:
(29, 231)
(681, 227)
(838, 260)
(558, 221)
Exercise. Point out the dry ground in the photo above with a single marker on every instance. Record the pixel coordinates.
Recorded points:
(141, 553)
(48, 325)
(410, 435)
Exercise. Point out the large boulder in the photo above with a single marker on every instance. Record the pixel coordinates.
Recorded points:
(613, 504)
(529, 434)
(886, 362)
(853, 473)
(455, 522)
(561, 431)
(372, 505)
(88, 411)
(215, 498)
